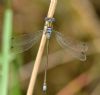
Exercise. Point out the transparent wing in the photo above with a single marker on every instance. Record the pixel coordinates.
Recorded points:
(75, 48)
(25, 41)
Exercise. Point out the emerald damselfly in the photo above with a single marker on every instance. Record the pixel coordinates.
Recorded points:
(26, 41)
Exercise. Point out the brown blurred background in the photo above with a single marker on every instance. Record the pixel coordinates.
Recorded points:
(66, 75)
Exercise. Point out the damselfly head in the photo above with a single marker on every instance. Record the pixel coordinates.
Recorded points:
(49, 19)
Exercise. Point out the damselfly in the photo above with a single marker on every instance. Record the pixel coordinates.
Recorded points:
(26, 41)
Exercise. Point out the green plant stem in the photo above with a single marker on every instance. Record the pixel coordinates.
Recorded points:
(7, 31)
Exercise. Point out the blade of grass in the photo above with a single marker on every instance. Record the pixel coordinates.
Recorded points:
(16, 90)
(7, 31)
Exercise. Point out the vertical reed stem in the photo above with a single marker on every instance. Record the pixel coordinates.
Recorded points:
(40, 51)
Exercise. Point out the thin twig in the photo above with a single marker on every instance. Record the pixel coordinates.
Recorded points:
(40, 51)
